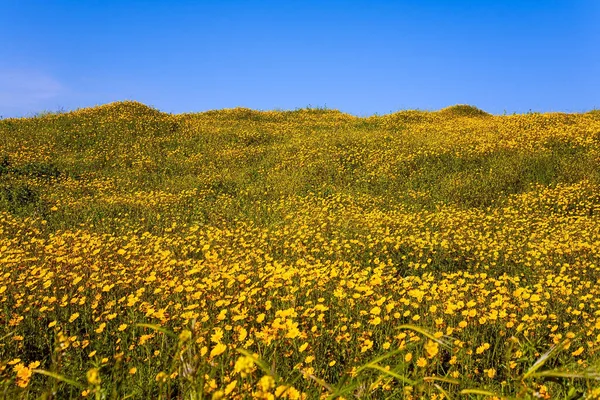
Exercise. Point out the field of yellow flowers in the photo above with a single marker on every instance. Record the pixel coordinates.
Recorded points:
(303, 254)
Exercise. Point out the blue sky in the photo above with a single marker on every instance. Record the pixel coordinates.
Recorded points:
(362, 57)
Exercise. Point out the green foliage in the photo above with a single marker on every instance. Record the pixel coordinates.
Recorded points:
(463, 110)
(20, 199)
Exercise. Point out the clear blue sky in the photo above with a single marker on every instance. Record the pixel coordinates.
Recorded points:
(362, 57)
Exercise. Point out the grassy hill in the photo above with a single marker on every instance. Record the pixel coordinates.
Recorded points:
(460, 244)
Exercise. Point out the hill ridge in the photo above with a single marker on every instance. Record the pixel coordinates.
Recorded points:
(138, 108)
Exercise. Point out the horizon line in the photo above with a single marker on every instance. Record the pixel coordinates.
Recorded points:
(461, 107)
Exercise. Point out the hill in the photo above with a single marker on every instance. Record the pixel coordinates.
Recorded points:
(460, 155)
(142, 252)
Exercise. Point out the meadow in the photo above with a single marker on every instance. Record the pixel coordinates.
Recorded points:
(303, 254)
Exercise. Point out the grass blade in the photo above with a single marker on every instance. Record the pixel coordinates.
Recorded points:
(543, 358)
(481, 392)
(593, 375)
(440, 379)
(157, 328)
(377, 360)
(342, 391)
(425, 333)
(7, 335)
(59, 377)
(322, 383)
(391, 373)
(442, 391)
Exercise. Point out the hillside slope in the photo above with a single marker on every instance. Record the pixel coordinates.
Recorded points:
(312, 238)
(459, 156)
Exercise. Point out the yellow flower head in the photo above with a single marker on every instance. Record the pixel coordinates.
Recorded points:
(432, 348)
(93, 376)
(244, 366)
(218, 350)
(266, 383)
(23, 374)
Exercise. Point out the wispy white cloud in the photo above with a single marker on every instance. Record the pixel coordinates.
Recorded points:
(27, 88)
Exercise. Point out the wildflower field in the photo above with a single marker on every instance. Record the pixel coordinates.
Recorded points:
(303, 254)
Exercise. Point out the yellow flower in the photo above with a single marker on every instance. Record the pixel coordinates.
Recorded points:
(244, 366)
(145, 338)
(74, 317)
(290, 393)
(367, 345)
(23, 374)
(432, 348)
(593, 394)
(578, 351)
(243, 333)
(217, 336)
(101, 327)
(185, 335)
(408, 357)
(266, 383)
(218, 350)
(93, 376)
(421, 362)
(122, 327)
(132, 370)
(482, 348)
(161, 377)
(229, 388)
